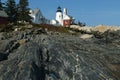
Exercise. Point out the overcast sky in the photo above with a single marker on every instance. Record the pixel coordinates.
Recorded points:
(92, 12)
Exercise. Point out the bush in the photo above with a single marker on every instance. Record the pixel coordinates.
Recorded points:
(6, 28)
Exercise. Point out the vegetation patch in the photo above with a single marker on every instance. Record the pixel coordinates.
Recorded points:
(52, 28)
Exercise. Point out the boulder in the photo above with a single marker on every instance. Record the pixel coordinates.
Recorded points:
(86, 36)
(5, 45)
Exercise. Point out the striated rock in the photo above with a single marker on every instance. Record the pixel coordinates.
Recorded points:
(5, 45)
(25, 63)
(3, 56)
(34, 56)
(1, 36)
(39, 31)
(22, 41)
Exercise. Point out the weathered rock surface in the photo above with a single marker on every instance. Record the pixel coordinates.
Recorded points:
(35, 55)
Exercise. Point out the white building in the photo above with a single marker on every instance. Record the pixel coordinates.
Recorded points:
(62, 19)
(37, 17)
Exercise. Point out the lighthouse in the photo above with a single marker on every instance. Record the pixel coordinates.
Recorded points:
(62, 18)
(59, 16)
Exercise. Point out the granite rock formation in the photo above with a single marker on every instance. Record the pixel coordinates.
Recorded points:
(40, 55)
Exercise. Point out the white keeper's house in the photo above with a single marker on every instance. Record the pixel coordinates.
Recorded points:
(37, 17)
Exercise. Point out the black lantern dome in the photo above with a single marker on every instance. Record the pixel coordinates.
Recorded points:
(59, 9)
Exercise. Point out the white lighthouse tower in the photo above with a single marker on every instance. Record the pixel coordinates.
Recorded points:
(59, 16)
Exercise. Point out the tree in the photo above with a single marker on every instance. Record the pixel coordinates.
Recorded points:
(23, 11)
(1, 5)
(11, 10)
(81, 24)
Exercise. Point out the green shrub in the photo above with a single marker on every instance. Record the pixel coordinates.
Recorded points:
(6, 28)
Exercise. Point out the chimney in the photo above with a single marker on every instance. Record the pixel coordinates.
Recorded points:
(65, 11)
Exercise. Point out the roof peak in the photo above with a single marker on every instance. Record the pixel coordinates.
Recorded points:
(3, 14)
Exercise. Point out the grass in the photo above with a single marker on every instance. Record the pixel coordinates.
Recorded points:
(52, 28)
(7, 28)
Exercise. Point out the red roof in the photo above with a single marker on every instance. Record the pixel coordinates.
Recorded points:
(3, 20)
